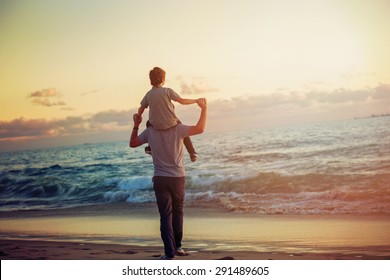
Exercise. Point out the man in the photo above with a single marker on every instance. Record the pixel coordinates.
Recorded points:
(169, 175)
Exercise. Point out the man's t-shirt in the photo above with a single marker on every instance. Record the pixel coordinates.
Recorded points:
(167, 149)
(162, 111)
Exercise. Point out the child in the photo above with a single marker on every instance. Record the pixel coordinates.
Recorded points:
(162, 111)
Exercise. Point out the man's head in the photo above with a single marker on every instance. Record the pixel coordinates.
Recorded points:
(157, 76)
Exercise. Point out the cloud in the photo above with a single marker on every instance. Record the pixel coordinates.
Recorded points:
(381, 92)
(49, 97)
(110, 120)
(49, 92)
(25, 128)
(112, 116)
(196, 86)
(285, 106)
(47, 103)
(91, 91)
(33, 128)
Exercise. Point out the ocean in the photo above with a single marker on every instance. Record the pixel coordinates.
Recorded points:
(340, 167)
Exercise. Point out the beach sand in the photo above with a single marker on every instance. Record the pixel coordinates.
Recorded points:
(121, 232)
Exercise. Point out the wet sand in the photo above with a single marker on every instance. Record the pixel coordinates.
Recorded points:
(118, 231)
(52, 250)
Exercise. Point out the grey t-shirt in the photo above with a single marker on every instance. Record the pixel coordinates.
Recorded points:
(161, 109)
(167, 149)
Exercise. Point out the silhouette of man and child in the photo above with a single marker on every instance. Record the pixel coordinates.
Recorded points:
(165, 136)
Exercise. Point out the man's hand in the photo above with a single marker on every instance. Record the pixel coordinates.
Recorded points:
(202, 103)
(137, 119)
(135, 141)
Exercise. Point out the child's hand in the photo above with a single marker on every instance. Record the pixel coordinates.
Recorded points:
(202, 103)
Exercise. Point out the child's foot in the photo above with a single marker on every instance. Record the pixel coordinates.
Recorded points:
(148, 150)
(193, 157)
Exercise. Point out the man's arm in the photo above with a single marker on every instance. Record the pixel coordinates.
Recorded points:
(135, 141)
(200, 126)
(141, 110)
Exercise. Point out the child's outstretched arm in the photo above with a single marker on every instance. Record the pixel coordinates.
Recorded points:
(185, 101)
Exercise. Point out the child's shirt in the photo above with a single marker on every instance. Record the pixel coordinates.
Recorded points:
(161, 109)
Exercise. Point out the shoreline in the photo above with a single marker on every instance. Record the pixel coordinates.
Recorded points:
(112, 231)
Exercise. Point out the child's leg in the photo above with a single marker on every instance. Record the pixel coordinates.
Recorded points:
(188, 144)
(148, 150)
(190, 148)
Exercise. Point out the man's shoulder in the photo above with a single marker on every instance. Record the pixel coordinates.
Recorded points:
(144, 135)
(182, 126)
(180, 129)
(183, 129)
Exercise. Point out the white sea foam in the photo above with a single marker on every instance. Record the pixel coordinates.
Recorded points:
(137, 189)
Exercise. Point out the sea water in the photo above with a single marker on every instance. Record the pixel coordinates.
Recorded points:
(340, 167)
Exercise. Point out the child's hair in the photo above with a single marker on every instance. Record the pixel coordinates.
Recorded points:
(156, 76)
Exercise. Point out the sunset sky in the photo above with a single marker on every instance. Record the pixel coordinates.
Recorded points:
(75, 71)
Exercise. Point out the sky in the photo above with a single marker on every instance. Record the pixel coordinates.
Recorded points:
(75, 71)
